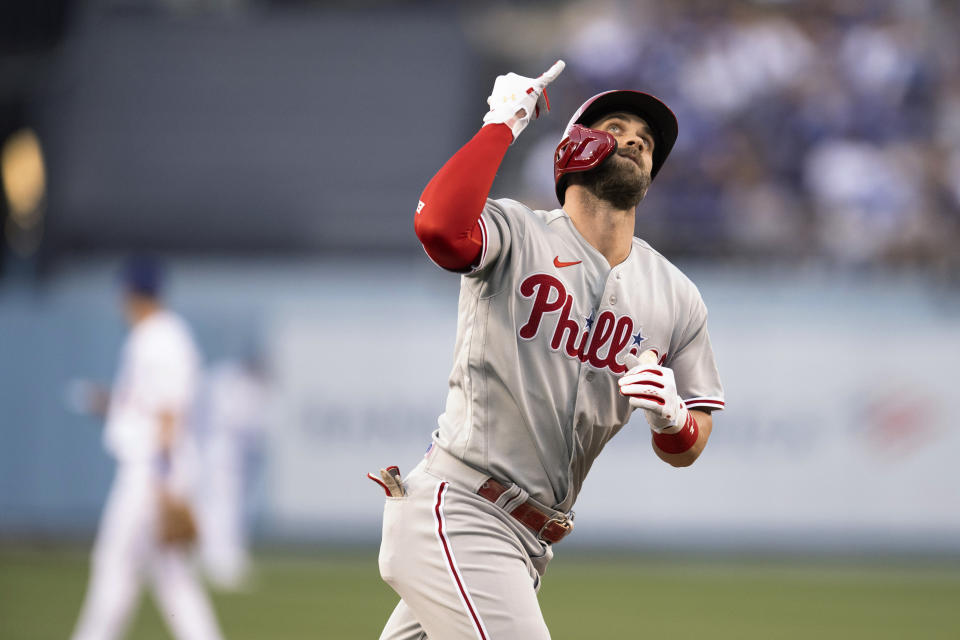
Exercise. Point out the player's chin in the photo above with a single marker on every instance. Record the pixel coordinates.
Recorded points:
(628, 162)
(629, 171)
(617, 180)
(626, 186)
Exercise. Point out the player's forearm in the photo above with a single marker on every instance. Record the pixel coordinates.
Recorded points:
(447, 219)
(166, 437)
(168, 431)
(686, 458)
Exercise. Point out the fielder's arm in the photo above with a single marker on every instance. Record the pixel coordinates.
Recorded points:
(177, 523)
(169, 422)
(169, 432)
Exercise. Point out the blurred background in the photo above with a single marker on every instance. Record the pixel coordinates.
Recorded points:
(273, 152)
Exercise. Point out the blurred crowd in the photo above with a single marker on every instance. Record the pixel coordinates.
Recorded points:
(825, 130)
(822, 131)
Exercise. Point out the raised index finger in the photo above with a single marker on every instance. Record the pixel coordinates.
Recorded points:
(551, 74)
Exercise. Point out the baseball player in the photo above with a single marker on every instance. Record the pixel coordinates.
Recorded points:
(567, 323)
(146, 528)
(232, 417)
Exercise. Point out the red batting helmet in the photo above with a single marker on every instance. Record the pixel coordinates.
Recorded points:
(582, 148)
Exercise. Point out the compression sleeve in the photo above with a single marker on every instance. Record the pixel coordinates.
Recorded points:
(447, 218)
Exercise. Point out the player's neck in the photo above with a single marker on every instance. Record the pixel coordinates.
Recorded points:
(607, 229)
(141, 310)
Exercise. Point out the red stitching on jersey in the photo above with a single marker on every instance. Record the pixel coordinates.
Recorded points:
(464, 596)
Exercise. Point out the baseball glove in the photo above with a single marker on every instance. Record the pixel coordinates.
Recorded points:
(178, 526)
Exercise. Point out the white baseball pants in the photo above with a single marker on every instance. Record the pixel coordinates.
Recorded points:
(126, 551)
(462, 566)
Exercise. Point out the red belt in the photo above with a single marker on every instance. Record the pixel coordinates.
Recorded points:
(549, 528)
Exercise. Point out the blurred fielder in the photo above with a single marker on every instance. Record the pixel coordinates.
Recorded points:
(147, 525)
(230, 421)
(567, 323)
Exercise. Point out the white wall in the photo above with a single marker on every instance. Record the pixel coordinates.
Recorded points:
(837, 432)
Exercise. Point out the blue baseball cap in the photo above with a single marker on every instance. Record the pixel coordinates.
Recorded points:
(143, 275)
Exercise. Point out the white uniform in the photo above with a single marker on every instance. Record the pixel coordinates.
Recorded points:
(544, 327)
(230, 422)
(158, 372)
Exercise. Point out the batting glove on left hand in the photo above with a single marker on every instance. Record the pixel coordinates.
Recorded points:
(652, 388)
(516, 100)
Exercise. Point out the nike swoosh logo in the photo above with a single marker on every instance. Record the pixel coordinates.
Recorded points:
(557, 263)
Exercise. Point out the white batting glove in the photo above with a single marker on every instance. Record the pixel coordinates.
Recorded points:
(516, 99)
(652, 388)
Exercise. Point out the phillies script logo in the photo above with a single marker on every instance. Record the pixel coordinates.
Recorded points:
(598, 347)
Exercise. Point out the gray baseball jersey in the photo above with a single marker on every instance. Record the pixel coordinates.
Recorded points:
(544, 326)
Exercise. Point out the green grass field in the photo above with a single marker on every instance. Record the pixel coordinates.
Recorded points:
(338, 594)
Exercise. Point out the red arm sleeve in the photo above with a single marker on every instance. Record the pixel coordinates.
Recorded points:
(447, 219)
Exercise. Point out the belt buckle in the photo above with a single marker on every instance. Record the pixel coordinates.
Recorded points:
(563, 521)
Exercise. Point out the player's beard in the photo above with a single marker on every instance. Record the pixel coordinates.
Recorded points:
(619, 185)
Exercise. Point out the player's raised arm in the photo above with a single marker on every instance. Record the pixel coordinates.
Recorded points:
(447, 221)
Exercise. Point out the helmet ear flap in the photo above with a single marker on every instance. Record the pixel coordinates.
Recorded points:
(581, 149)
(565, 151)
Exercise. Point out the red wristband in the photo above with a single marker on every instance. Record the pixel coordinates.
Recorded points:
(681, 440)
